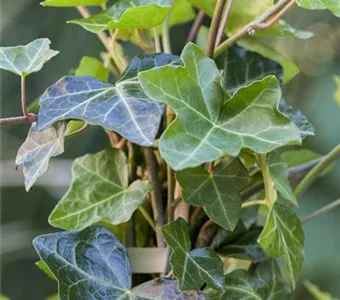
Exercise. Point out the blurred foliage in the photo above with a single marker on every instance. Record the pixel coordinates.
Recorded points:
(311, 92)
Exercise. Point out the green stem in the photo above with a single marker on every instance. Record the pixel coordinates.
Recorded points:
(156, 40)
(253, 202)
(166, 36)
(147, 217)
(315, 172)
(270, 192)
(321, 211)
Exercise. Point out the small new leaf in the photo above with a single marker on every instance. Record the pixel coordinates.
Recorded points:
(125, 14)
(265, 283)
(24, 60)
(90, 66)
(123, 107)
(279, 172)
(332, 5)
(283, 236)
(209, 125)
(99, 193)
(191, 268)
(35, 153)
(218, 192)
(69, 3)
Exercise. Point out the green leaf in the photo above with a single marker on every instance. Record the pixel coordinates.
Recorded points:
(2, 297)
(191, 268)
(222, 187)
(283, 236)
(290, 69)
(90, 66)
(181, 12)
(98, 193)
(337, 91)
(202, 37)
(35, 153)
(332, 5)
(74, 126)
(316, 292)
(53, 297)
(245, 247)
(165, 289)
(209, 125)
(125, 14)
(87, 263)
(265, 283)
(24, 60)
(306, 128)
(43, 267)
(279, 172)
(288, 30)
(123, 107)
(66, 3)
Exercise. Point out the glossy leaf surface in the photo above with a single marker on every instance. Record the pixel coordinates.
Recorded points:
(208, 124)
(123, 107)
(125, 14)
(99, 193)
(218, 192)
(191, 268)
(35, 153)
(283, 236)
(24, 60)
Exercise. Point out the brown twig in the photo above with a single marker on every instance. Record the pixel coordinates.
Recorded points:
(258, 24)
(18, 120)
(223, 24)
(195, 26)
(156, 194)
(216, 19)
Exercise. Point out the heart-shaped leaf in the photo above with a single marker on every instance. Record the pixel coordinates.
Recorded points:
(265, 282)
(24, 60)
(283, 236)
(123, 107)
(99, 193)
(66, 3)
(125, 14)
(191, 268)
(208, 124)
(332, 5)
(35, 153)
(218, 192)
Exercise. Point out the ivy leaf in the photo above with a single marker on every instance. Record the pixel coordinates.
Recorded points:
(245, 247)
(243, 66)
(35, 153)
(306, 128)
(43, 267)
(164, 289)
(24, 60)
(74, 126)
(127, 14)
(87, 263)
(90, 66)
(337, 92)
(208, 124)
(332, 5)
(218, 192)
(98, 193)
(66, 3)
(181, 12)
(191, 268)
(265, 283)
(283, 236)
(124, 107)
(279, 172)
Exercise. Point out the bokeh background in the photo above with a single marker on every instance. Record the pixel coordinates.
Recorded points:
(24, 216)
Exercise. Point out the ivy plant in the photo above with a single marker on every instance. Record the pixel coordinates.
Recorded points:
(200, 169)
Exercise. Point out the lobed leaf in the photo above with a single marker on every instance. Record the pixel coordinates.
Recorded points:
(191, 268)
(279, 172)
(35, 153)
(67, 3)
(125, 14)
(24, 60)
(218, 192)
(265, 283)
(123, 107)
(283, 236)
(209, 125)
(332, 5)
(99, 193)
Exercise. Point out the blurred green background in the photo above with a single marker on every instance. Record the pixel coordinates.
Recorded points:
(24, 216)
